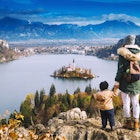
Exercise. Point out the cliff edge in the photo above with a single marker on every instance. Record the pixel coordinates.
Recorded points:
(6, 54)
(71, 125)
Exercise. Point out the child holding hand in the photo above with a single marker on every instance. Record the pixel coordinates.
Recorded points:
(105, 104)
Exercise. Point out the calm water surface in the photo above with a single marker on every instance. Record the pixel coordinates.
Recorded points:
(26, 75)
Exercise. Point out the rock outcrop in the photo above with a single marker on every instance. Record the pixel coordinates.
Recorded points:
(73, 114)
(75, 125)
(72, 128)
(71, 125)
(6, 54)
(89, 129)
(4, 44)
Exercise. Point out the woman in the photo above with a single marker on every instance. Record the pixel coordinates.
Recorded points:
(129, 90)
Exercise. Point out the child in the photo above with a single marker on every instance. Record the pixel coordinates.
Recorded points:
(105, 104)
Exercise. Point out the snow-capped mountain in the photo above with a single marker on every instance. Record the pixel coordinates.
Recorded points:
(16, 29)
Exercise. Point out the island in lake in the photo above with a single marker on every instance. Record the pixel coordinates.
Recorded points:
(73, 72)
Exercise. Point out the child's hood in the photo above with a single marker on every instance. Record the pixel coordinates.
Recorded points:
(103, 95)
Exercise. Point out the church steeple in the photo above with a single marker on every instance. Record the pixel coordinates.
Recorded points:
(73, 64)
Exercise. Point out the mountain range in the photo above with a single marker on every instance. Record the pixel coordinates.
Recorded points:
(17, 29)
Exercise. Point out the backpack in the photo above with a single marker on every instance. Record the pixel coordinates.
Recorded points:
(132, 73)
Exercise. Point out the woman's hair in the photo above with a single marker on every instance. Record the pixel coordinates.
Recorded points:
(104, 85)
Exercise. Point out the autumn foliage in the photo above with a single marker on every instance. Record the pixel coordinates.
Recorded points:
(40, 106)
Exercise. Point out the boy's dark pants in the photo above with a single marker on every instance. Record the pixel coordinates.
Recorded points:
(107, 115)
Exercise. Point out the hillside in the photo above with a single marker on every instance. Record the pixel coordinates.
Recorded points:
(107, 51)
(6, 54)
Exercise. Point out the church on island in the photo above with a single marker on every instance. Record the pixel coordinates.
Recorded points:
(72, 71)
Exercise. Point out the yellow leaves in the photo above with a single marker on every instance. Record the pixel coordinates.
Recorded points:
(13, 135)
(10, 131)
(13, 123)
(32, 135)
(13, 131)
(6, 133)
(18, 116)
(30, 97)
(72, 97)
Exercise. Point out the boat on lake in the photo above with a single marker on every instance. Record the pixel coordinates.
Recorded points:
(72, 72)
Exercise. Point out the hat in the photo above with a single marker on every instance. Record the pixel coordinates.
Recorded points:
(129, 40)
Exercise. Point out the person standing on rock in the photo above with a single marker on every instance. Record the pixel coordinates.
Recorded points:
(129, 90)
(105, 104)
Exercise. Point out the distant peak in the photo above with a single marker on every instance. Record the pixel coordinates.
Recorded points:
(121, 21)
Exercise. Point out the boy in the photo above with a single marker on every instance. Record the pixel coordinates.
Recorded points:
(105, 104)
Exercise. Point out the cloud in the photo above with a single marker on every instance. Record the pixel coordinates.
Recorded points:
(57, 17)
(47, 17)
(112, 16)
(23, 14)
(123, 17)
(81, 20)
(67, 20)
(32, 11)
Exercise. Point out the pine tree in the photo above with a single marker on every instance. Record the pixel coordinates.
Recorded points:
(47, 105)
(68, 98)
(80, 101)
(27, 112)
(77, 90)
(88, 89)
(74, 103)
(37, 100)
(42, 95)
(52, 90)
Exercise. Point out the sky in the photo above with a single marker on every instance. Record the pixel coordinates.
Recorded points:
(81, 12)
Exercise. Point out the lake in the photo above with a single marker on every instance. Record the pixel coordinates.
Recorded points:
(26, 75)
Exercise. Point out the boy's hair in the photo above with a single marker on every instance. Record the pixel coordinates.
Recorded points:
(103, 85)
